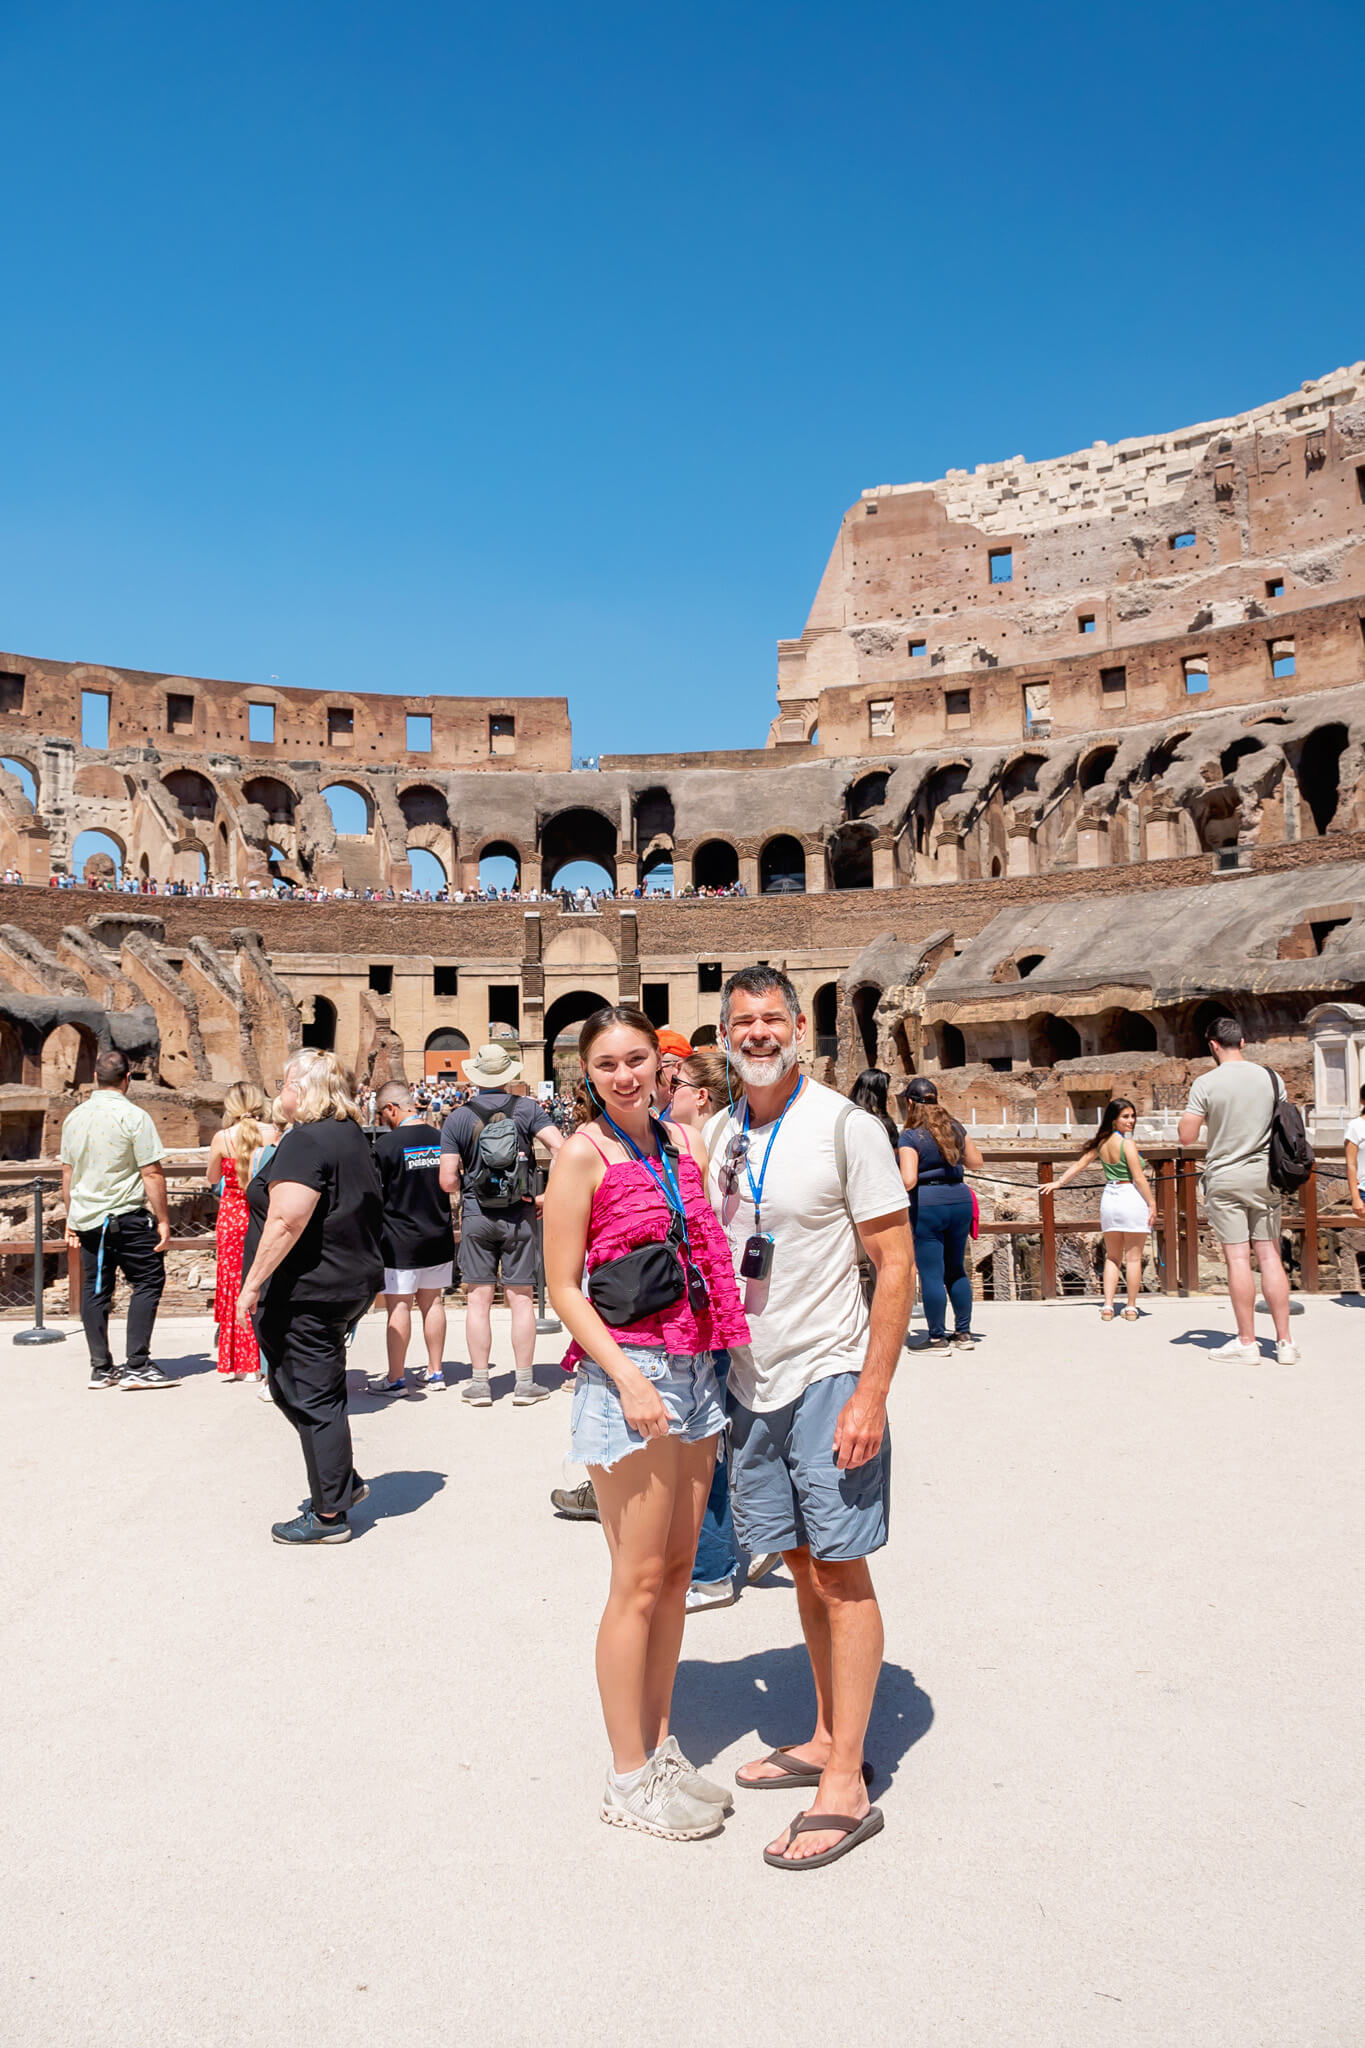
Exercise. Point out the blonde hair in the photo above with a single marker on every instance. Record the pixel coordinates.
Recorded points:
(706, 1067)
(325, 1088)
(245, 1111)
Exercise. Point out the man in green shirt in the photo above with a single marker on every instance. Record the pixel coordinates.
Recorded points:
(114, 1192)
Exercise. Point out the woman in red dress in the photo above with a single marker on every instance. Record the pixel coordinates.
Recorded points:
(233, 1157)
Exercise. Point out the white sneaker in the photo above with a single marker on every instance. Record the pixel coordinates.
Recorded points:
(704, 1593)
(659, 1806)
(1236, 1350)
(1286, 1352)
(668, 1756)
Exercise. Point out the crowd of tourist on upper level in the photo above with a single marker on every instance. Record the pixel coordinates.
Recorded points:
(581, 899)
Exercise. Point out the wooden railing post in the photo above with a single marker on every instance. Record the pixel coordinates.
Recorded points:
(1308, 1257)
(1187, 1184)
(1048, 1214)
(1165, 1201)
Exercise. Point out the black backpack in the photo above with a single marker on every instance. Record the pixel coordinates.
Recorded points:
(1291, 1155)
(500, 1176)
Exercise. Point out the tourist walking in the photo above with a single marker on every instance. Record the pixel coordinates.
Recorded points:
(314, 1265)
(1236, 1103)
(419, 1235)
(236, 1151)
(801, 1178)
(935, 1156)
(627, 1199)
(488, 1159)
(114, 1195)
(1127, 1206)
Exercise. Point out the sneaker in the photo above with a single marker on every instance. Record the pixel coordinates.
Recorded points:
(526, 1394)
(263, 1392)
(1235, 1351)
(103, 1376)
(963, 1340)
(307, 1527)
(435, 1382)
(1286, 1352)
(477, 1392)
(704, 1593)
(759, 1567)
(398, 1386)
(668, 1756)
(659, 1806)
(148, 1375)
(575, 1503)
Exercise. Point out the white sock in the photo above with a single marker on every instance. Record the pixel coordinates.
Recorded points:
(628, 1781)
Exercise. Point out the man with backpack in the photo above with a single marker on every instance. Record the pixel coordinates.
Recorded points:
(488, 1155)
(1243, 1107)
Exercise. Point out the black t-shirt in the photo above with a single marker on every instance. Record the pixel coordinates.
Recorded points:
(338, 1258)
(417, 1225)
(461, 1129)
(934, 1170)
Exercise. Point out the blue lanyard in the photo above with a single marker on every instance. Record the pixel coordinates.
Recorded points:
(665, 1176)
(756, 1190)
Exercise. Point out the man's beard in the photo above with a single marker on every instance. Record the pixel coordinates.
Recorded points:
(767, 1071)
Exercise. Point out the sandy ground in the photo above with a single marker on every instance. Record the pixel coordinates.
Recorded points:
(254, 1796)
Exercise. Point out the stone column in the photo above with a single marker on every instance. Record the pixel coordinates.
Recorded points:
(815, 871)
(1019, 852)
(883, 865)
(530, 871)
(748, 873)
(1092, 843)
(627, 871)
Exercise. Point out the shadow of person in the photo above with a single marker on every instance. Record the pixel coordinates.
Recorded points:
(193, 1365)
(1202, 1340)
(396, 1493)
(770, 1694)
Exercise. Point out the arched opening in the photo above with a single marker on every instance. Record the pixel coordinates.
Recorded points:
(705, 1034)
(275, 798)
(69, 1053)
(1217, 820)
(578, 848)
(850, 857)
(23, 775)
(1238, 751)
(424, 805)
(1162, 755)
(194, 793)
(11, 1055)
(715, 865)
(499, 867)
(865, 1001)
(319, 1023)
(1096, 766)
(445, 1051)
(1120, 1031)
(952, 1046)
(1021, 777)
(868, 793)
(1205, 1016)
(656, 874)
(946, 781)
(101, 849)
(144, 868)
(826, 1021)
(782, 867)
(562, 1021)
(1319, 773)
(653, 817)
(352, 809)
(1051, 1039)
(996, 868)
(1029, 963)
(428, 874)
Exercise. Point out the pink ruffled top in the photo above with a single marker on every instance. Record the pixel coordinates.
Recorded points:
(629, 1209)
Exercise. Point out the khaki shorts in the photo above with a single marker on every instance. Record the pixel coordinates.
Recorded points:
(1242, 1208)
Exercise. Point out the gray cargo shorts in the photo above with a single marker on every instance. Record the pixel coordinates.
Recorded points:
(787, 1491)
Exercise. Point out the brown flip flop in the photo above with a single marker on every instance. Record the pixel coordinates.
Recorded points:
(855, 1832)
(797, 1775)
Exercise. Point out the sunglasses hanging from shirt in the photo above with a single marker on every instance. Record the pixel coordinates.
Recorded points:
(656, 1276)
(756, 1260)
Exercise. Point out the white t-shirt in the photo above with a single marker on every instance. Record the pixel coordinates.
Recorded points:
(808, 1319)
(1355, 1131)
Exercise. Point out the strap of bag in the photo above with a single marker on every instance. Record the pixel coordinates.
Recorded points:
(722, 1125)
(841, 1159)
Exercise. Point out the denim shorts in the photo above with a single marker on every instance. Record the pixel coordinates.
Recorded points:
(688, 1388)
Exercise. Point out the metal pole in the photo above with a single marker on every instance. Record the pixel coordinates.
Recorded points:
(546, 1325)
(39, 1334)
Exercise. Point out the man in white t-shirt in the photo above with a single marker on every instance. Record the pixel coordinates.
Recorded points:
(794, 1167)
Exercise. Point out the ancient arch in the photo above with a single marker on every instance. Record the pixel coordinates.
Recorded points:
(319, 1028)
(91, 845)
(1318, 769)
(715, 865)
(1051, 1038)
(1021, 776)
(499, 865)
(193, 792)
(868, 793)
(342, 797)
(577, 837)
(850, 857)
(11, 1055)
(274, 796)
(1095, 766)
(952, 1046)
(825, 1021)
(24, 773)
(428, 870)
(1120, 1031)
(561, 1016)
(1238, 751)
(444, 1051)
(947, 780)
(1160, 756)
(69, 1055)
(423, 804)
(782, 866)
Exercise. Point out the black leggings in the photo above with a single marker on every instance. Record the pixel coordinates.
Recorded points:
(305, 1354)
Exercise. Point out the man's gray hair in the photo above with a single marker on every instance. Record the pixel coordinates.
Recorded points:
(393, 1095)
(758, 981)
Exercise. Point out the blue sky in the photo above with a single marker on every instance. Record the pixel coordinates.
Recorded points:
(539, 350)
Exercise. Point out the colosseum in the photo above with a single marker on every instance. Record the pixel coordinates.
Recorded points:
(1066, 760)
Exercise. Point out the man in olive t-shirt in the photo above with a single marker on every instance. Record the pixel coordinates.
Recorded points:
(114, 1194)
(1236, 1103)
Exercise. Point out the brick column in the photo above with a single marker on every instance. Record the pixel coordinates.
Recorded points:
(532, 1001)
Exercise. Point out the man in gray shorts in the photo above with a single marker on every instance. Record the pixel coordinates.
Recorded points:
(496, 1233)
(1237, 1103)
(799, 1178)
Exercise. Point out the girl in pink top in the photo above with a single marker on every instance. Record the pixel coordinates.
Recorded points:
(647, 1410)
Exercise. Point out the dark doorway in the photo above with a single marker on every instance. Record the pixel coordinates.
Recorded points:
(865, 1001)
(320, 1030)
(826, 1021)
(577, 838)
(715, 865)
(867, 794)
(952, 1046)
(782, 867)
(850, 857)
(653, 817)
(1050, 1039)
(1319, 773)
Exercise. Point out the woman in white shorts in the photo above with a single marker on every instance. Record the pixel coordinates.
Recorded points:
(1127, 1209)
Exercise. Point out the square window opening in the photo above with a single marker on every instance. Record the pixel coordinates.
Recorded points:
(260, 724)
(1037, 708)
(502, 734)
(881, 719)
(179, 712)
(1002, 565)
(1195, 669)
(654, 1000)
(1274, 586)
(94, 718)
(957, 706)
(340, 725)
(709, 977)
(917, 648)
(1086, 623)
(504, 1005)
(1114, 686)
(1281, 657)
(419, 732)
(11, 691)
(381, 980)
(445, 981)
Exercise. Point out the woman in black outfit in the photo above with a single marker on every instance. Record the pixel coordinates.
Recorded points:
(934, 1150)
(313, 1264)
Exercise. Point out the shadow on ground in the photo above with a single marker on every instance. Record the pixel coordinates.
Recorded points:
(715, 1705)
(396, 1493)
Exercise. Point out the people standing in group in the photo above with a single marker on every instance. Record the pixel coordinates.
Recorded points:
(700, 1090)
(1127, 1205)
(314, 1264)
(1236, 1103)
(627, 1200)
(234, 1155)
(419, 1235)
(870, 1091)
(935, 1155)
(488, 1160)
(801, 1177)
(117, 1217)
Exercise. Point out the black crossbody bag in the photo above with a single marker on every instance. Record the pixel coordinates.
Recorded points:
(650, 1279)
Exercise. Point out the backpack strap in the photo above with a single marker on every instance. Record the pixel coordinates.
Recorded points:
(722, 1124)
(841, 1158)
